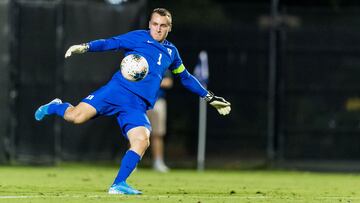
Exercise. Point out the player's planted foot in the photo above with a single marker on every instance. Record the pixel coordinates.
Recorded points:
(42, 111)
(123, 188)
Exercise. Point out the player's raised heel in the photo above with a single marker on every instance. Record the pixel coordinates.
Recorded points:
(123, 188)
(42, 111)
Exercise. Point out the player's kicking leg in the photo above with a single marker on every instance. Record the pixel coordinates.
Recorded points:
(43, 110)
(77, 115)
(139, 142)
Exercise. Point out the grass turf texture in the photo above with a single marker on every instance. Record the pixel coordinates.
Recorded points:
(89, 183)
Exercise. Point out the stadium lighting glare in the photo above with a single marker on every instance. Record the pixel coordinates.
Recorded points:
(115, 2)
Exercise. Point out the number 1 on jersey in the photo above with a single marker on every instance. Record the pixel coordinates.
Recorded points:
(159, 60)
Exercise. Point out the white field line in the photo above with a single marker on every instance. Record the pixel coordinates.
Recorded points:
(140, 196)
(168, 196)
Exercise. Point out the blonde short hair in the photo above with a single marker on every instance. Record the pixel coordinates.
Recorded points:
(162, 12)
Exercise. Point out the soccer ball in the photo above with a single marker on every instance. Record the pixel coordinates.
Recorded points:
(134, 67)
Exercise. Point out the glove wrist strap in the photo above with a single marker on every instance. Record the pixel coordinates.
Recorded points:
(209, 96)
(86, 45)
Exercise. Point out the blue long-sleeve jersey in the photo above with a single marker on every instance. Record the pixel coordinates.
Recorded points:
(160, 57)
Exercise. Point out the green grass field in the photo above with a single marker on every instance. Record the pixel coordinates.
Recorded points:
(89, 183)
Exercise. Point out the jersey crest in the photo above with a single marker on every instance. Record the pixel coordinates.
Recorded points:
(169, 50)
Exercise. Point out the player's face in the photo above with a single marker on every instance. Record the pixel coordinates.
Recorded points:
(159, 27)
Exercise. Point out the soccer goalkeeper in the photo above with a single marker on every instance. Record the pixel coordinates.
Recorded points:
(129, 101)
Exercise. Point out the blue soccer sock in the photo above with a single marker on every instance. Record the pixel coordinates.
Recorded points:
(58, 109)
(128, 164)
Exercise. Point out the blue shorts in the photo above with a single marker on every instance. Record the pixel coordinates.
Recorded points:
(114, 99)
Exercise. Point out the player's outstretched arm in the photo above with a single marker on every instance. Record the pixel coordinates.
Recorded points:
(77, 49)
(221, 105)
(192, 84)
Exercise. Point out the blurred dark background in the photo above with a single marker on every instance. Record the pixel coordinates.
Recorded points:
(289, 68)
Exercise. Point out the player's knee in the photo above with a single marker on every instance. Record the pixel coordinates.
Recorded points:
(75, 117)
(142, 141)
(79, 120)
(147, 143)
(79, 114)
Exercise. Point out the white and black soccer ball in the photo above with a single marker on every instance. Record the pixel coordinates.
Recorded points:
(134, 67)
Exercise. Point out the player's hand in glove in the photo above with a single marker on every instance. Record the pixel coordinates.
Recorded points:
(221, 105)
(77, 49)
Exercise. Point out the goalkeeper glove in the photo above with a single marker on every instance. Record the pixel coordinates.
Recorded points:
(77, 49)
(221, 105)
